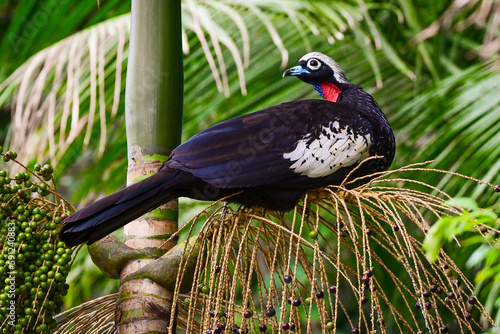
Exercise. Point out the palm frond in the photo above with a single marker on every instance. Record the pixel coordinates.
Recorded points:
(463, 141)
(35, 25)
(60, 92)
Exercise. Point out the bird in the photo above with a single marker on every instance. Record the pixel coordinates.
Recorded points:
(269, 158)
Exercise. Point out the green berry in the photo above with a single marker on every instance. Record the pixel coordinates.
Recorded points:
(313, 235)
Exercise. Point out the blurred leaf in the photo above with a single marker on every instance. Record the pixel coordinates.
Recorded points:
(449, 227)
(463, 202)
(478, 256)
(444, 231)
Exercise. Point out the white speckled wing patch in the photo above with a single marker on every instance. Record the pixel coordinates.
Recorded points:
(333, 149)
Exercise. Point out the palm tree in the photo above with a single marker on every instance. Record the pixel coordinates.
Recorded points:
(74, 88)
(153, 101)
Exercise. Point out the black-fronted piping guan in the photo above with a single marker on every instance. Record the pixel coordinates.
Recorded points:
(270, 157)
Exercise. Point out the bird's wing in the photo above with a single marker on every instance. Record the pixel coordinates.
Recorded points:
(275, 145)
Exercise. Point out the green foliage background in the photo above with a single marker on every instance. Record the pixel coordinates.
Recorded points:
(441, 95)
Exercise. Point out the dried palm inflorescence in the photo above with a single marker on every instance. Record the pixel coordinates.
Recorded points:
(95, 316)
(319, 268)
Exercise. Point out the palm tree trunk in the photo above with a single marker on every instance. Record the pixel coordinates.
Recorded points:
(153, 106)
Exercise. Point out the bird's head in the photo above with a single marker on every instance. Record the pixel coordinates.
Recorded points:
(322, 72)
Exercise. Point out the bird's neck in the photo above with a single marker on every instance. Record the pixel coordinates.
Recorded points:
(328, 90)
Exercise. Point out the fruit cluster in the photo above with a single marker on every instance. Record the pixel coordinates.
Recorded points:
(33, 263)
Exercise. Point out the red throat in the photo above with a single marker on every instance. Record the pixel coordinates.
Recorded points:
(330, 91)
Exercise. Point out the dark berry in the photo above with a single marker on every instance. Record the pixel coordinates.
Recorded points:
(428, 305)
(443, 329)
(426, 294)
(288, 278)
(439, 290)
(247, 314)
(451, 295)
(369, 273)
(396, 227)
(9, 155)
(332, 289)
(468, 316)
(418, 306)
(217, 269)
(369, 231)
(365, 279)
(296, 302)
(285, 326)
(218, 329)
(289, 300)
(433, 288)
(355, 331)
(320, 294)
(236, 329)
(364, 300)
(270, 312)
(292, 326)
(262, 327)
(472, 300)
(497, 188)
(212, 313)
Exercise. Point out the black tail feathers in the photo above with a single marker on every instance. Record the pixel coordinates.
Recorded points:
(110, 213)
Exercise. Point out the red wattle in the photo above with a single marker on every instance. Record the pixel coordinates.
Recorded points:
(330, 91)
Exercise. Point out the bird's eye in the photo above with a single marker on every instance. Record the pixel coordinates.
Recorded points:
(313, 64)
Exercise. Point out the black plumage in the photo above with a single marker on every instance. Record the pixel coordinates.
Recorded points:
(253, 154)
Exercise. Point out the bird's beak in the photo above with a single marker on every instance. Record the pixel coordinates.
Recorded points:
(295, 71)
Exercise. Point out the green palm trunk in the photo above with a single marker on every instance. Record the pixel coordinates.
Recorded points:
(153, 104)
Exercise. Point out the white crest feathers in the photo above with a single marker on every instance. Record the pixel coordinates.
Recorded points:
(338, 72)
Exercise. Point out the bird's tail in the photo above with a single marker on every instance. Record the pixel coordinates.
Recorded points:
(112, 212)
